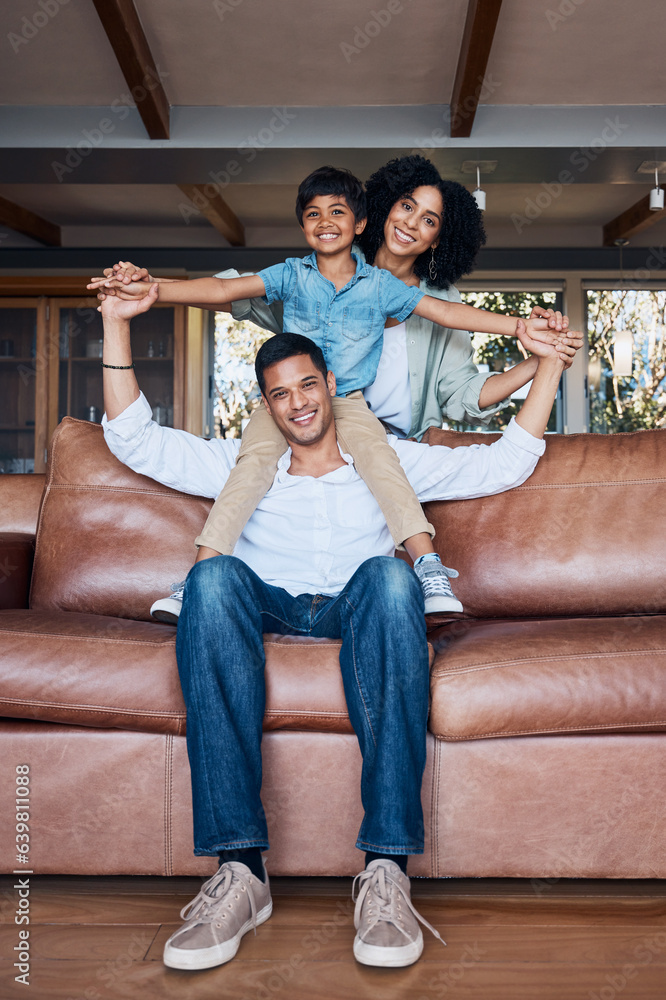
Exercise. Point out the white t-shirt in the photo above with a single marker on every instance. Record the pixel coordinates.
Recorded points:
(389, 395)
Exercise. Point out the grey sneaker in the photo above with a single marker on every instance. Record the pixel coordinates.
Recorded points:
(386, 921)
(434, 580)
(227, 906)
(168, 609)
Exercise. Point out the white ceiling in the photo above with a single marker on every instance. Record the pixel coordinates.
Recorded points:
(553, 79)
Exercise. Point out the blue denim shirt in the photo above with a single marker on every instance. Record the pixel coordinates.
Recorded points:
(348, 325)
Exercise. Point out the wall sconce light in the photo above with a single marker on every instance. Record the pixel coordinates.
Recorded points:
(480, 196)
(656, 194)
(623, 352)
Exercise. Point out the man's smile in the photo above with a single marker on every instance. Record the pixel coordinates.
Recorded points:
(304, 418)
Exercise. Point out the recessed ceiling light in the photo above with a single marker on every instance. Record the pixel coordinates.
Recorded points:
(649, 166)
(484, 166)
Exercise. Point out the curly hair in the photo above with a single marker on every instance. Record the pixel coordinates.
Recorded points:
(462, 234)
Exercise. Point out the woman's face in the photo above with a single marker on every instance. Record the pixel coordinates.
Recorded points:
(415, 222)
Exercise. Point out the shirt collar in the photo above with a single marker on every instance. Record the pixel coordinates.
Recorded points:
(285, 461)
(363, 270)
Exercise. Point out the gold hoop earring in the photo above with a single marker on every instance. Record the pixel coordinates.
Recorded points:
(432, 266)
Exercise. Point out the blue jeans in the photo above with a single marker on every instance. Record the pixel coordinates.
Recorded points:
(385, 672)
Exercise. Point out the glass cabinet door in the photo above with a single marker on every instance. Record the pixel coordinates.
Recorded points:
(80, 340)
(18, 350)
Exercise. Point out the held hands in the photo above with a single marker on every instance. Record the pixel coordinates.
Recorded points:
(563, 347)
(544, 325)
(116, 279)
(127, 307)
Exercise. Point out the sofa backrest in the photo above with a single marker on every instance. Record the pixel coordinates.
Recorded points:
(109, 541)
(20, 499)
(584, 535)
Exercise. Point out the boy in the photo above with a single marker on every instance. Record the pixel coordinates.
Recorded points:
(342, 305)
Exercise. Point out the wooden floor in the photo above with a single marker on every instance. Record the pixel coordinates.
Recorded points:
(508, 939)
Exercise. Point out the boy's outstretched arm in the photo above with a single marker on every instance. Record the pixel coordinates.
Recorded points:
(206, 292)
(127, 272)
(458, 316)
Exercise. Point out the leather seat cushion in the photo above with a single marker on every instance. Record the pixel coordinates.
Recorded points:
(92, 670)
(519, 678)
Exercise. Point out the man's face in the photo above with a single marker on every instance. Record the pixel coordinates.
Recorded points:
(298, 397)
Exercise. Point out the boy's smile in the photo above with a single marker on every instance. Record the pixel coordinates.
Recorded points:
(329, 224)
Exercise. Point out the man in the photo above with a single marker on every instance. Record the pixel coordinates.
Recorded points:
(316, 558)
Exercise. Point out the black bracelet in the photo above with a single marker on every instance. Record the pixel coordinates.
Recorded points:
(118, 367)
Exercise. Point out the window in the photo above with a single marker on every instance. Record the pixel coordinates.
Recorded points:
(631, 394)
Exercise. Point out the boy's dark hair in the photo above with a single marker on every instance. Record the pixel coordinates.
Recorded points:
(332, 180)
(462, 234)
(283, 346)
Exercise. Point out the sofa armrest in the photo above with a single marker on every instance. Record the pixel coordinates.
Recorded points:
(16, 554)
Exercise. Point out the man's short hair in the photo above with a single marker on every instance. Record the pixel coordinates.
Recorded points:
(283, 346)
(332, 180)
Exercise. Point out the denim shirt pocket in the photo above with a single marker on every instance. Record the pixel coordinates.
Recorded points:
(357, 324)
(306, 313)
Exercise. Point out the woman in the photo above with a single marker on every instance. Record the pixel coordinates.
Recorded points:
(428, 231)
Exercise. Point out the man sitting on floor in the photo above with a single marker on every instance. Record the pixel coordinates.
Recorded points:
(315, 559)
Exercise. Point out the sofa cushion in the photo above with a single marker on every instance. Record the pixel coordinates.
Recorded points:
(109, 542)
(90, 670)
(20, 500)
(16, 554)
(584, 535)
(519, 678)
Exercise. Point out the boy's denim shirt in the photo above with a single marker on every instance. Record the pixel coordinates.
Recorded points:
(348, 325)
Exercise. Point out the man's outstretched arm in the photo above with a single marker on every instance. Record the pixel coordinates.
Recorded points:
(121, 388)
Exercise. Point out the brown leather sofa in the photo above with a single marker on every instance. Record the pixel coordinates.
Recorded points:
(547, 743)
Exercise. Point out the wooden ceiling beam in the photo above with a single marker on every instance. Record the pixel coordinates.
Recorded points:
(633, 220)
(216, 210)
(123, 29)
(22, 220)
(470, 79)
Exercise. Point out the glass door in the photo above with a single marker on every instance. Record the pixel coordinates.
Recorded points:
(18, 384)
(80, 340)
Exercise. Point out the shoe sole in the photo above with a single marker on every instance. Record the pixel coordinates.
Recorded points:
(207, 958)
(166, 610)
(437, 605)
(387, 958)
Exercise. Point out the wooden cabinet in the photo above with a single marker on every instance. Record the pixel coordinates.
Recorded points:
(50, 365)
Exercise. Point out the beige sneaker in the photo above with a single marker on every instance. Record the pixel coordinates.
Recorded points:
(386, 921)
(226, 907)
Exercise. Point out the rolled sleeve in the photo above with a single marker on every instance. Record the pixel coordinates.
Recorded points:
(278, 281)
(257, 310)
(463, 403)
(396, 298)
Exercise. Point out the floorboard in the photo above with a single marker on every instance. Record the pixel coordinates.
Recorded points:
(507, 939)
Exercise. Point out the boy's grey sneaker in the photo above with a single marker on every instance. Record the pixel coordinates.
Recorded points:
(168, 609)
(434, 580)
(386, 920)
(227, 906)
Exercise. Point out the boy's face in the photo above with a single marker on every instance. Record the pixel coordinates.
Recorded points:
(329, 225)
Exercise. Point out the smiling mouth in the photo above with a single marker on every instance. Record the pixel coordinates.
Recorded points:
(327, 236)
(403, 237)
(304, 419)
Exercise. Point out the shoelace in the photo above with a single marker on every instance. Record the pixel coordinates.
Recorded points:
(384, 887)
(205, 906)
(434, 581)
(177, 590)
